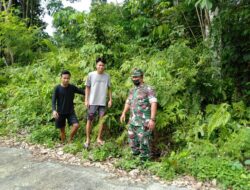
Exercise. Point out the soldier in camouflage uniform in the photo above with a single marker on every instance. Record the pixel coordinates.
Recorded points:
(142, 104)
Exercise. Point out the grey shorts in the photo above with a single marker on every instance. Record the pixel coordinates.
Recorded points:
(94, 109)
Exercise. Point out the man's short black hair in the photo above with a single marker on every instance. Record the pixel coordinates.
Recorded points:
(100, 59)
(65, 72)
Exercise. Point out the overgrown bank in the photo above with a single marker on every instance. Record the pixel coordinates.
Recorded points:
(202, 84)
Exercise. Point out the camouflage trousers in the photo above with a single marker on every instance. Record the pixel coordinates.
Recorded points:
(139, 140)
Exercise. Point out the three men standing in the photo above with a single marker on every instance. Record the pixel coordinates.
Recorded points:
(141, 102)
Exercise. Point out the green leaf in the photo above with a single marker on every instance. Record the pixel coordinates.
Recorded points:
(247, 162)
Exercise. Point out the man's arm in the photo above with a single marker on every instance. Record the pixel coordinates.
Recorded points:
(109, 92)
(125, 110)
(54, 98)
(110, 97)
(87, 91)
(151, 124)
(79, 90)
(126, 107)
(153, 110)
(153, 104)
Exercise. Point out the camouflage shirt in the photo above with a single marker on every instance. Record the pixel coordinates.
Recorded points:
(140, 99)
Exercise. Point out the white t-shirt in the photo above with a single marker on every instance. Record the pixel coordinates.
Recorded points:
(99, 84)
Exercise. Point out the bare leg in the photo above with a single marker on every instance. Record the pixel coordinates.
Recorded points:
(62, 134)
(99, 137)
(73, 131)
(88, 129)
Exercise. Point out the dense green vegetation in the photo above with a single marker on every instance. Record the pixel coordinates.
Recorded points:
(195, 53)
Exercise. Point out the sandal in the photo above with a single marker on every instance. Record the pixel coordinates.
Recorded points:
(101, 143)
(86, 145)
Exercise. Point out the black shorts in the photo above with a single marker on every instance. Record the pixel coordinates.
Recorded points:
(61, 121)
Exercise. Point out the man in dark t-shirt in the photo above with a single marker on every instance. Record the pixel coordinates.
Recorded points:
(63, 105)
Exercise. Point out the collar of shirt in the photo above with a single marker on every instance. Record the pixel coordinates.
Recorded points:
(140, 86)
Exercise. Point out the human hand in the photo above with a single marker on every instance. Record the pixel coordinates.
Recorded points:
(122, 118)
(87, 104)
(151, 125)
(109, 103)
(55, 115)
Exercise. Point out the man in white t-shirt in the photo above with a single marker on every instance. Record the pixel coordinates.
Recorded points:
(97, 88)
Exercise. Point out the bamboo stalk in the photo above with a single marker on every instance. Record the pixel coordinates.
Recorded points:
(197, 12)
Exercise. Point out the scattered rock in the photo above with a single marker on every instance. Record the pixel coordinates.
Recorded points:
(98, 164)
(60, 153)
(42, 153)
(17, 144)
(198, 186)
(134, 173)
(86, 164)
(214, 182)
(156, 177)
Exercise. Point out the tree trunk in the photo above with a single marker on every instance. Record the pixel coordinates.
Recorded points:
(5, 62)
(8, 56)
(4, 5)
(216, 38)
(27, 9)
(23, 8)
(9, 4)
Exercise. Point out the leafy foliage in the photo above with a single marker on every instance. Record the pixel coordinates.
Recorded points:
(68, 23)
(201, 83)
(12, 42)
(47, 135)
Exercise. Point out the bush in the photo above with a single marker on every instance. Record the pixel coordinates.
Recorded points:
(46, 135)
(108, 150)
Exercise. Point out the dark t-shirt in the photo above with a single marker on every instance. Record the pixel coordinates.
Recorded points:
(63, 97)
